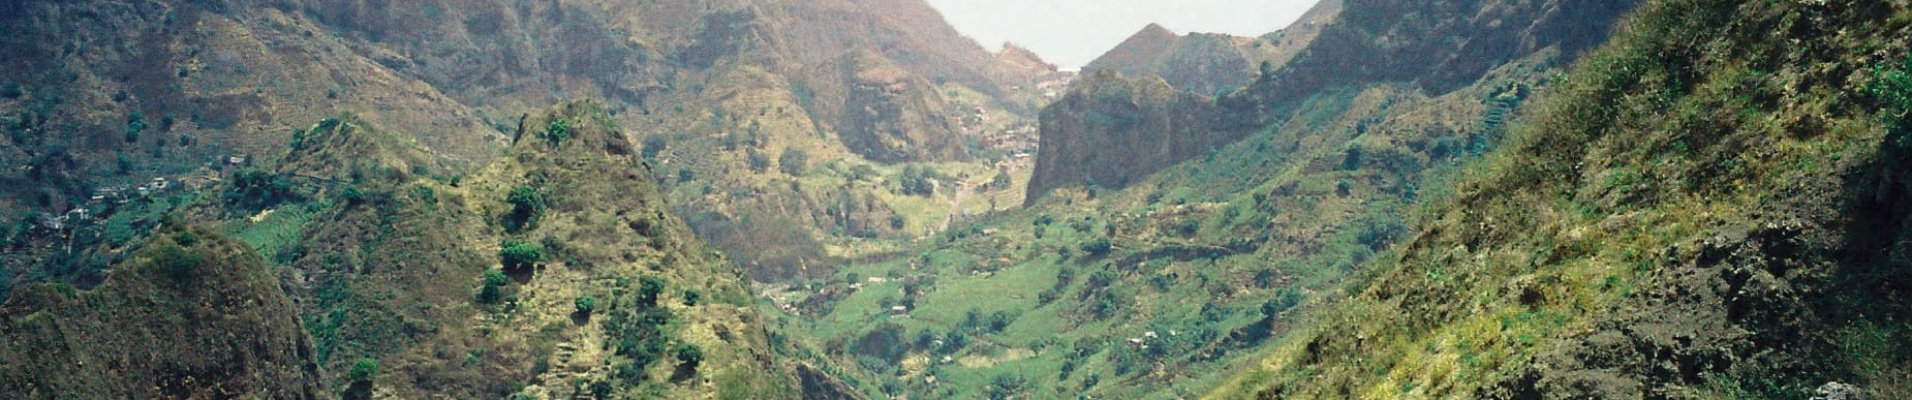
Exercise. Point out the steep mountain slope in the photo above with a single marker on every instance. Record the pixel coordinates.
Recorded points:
(192, 315)
(1707, 209)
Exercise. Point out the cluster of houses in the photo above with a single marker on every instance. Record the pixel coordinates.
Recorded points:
(104, 200)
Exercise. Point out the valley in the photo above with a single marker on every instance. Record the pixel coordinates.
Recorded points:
(852, 199)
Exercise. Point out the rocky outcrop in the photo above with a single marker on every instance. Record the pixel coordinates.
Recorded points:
(883, 112)
(1111, 130)
(1199, 62)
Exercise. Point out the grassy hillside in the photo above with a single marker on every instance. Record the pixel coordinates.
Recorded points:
(1705, 209)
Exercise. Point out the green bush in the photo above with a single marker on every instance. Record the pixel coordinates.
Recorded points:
(692, 297)
(11, 90)
(557, 132)
(1098, 247)
(653, 146)
(690, 355)
(177, 262)
(793, 161)
(519, 255)
(493, 290)
(527, 205)
(759, 161)
(585, 304)
(364, 370)
(648, 288)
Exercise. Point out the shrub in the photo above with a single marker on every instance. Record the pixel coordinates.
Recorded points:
(493, 290)
(691, 297)
(1098, 247)
(653, 146)
(177, 262)
(585, 304)
(364, 370)
(519, 255)
(527, 205)
(11, 90)
(557, 132)
(690, 355)
(793, 161)
(759, 161)
(649, 287)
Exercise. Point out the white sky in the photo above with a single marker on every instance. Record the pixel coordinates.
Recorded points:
(1071, 33)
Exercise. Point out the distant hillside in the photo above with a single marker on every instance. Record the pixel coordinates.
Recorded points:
(1437, 48)
(1208, 63)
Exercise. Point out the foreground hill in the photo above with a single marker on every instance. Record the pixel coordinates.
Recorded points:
(191, 315)
(1707, 208)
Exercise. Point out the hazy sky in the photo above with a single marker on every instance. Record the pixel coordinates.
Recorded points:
(1071, 33)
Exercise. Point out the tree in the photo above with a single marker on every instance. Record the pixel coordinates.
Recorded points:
(585, 304)
(527, 205)
(648, 288)
(558, 131)
(793, 161)
(692, 297)
(1098, 247)
(653, 146)
(494, 287)
(518, 254)
(690, 355)
(364, 370)
(758, 160)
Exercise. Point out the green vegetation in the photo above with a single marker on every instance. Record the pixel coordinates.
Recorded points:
(363, 370)
(690, 355)
(793, 162)
(492, 286)
(585, 304)
(519, 255)
(527, 206)
(557, 132)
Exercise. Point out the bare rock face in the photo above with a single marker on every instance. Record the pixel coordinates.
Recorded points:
(886, 114)
(1111, 130)
(1199, 62)
(1838, 391)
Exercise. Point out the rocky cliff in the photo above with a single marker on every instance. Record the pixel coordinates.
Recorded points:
(1111, 130)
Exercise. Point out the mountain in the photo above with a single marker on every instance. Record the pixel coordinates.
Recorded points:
(1208, 63)
(112, 96)
(1704, 209)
